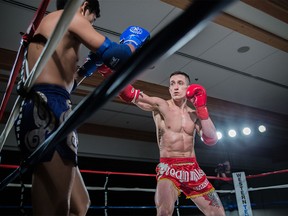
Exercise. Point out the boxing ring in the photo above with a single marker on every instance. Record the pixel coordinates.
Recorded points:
(114, 192)
(160, 47)
(107, 196)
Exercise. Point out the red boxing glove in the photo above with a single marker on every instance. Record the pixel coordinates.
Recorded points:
(104, 70)
(129, 94)
(197, 95)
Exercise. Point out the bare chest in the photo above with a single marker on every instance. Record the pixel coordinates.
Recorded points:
(179, 121)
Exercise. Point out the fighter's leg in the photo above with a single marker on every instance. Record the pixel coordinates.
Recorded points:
(210, 204)
(79, 201)
(165, 197)
(52, 183)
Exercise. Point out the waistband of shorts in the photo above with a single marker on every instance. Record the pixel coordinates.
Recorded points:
(51, 88)
(178, 160)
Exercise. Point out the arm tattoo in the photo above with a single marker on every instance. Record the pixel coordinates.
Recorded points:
(213, 198)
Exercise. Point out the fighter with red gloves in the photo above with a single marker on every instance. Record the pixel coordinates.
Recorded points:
(176, 124)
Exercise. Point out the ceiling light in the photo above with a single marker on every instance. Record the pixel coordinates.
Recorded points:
(262, 128)
(246, 131)
(243, 49)
(232, 133)
(219, 135)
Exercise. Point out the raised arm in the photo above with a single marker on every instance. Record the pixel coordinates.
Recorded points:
(136, 96)
(196, 94)
(148, 103)
(113, 54)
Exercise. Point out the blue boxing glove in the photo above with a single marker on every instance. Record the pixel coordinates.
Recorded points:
(110, 53)
(135, 35)
(116, 55)
(93, 61)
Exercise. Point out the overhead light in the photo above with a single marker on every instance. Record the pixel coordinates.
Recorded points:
(246, 131)
(232, 133)
(219, 135)
(243, 49)
(262, 128)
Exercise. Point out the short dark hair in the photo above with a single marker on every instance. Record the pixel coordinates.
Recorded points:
(180, 73)
(93, 6)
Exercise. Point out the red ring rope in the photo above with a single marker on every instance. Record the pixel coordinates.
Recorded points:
(10, 166)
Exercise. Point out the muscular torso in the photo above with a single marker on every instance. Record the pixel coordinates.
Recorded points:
(61, 68)
(175, 131)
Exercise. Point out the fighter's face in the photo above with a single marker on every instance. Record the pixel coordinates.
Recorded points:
(178, 86)
(91, 17)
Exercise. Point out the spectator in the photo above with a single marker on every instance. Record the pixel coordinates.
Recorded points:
(223, 170)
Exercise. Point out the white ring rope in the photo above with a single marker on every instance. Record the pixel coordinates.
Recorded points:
(46, 54)
(153, 190)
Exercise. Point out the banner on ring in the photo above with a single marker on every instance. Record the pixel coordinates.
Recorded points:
(242, 195)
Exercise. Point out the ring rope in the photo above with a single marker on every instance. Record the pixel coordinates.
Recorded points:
(47, 52)
(140, 207)
(107, 173)
(153, 190)
(199, 14)
(11, 166)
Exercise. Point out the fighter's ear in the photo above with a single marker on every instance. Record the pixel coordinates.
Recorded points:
(84, 7)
